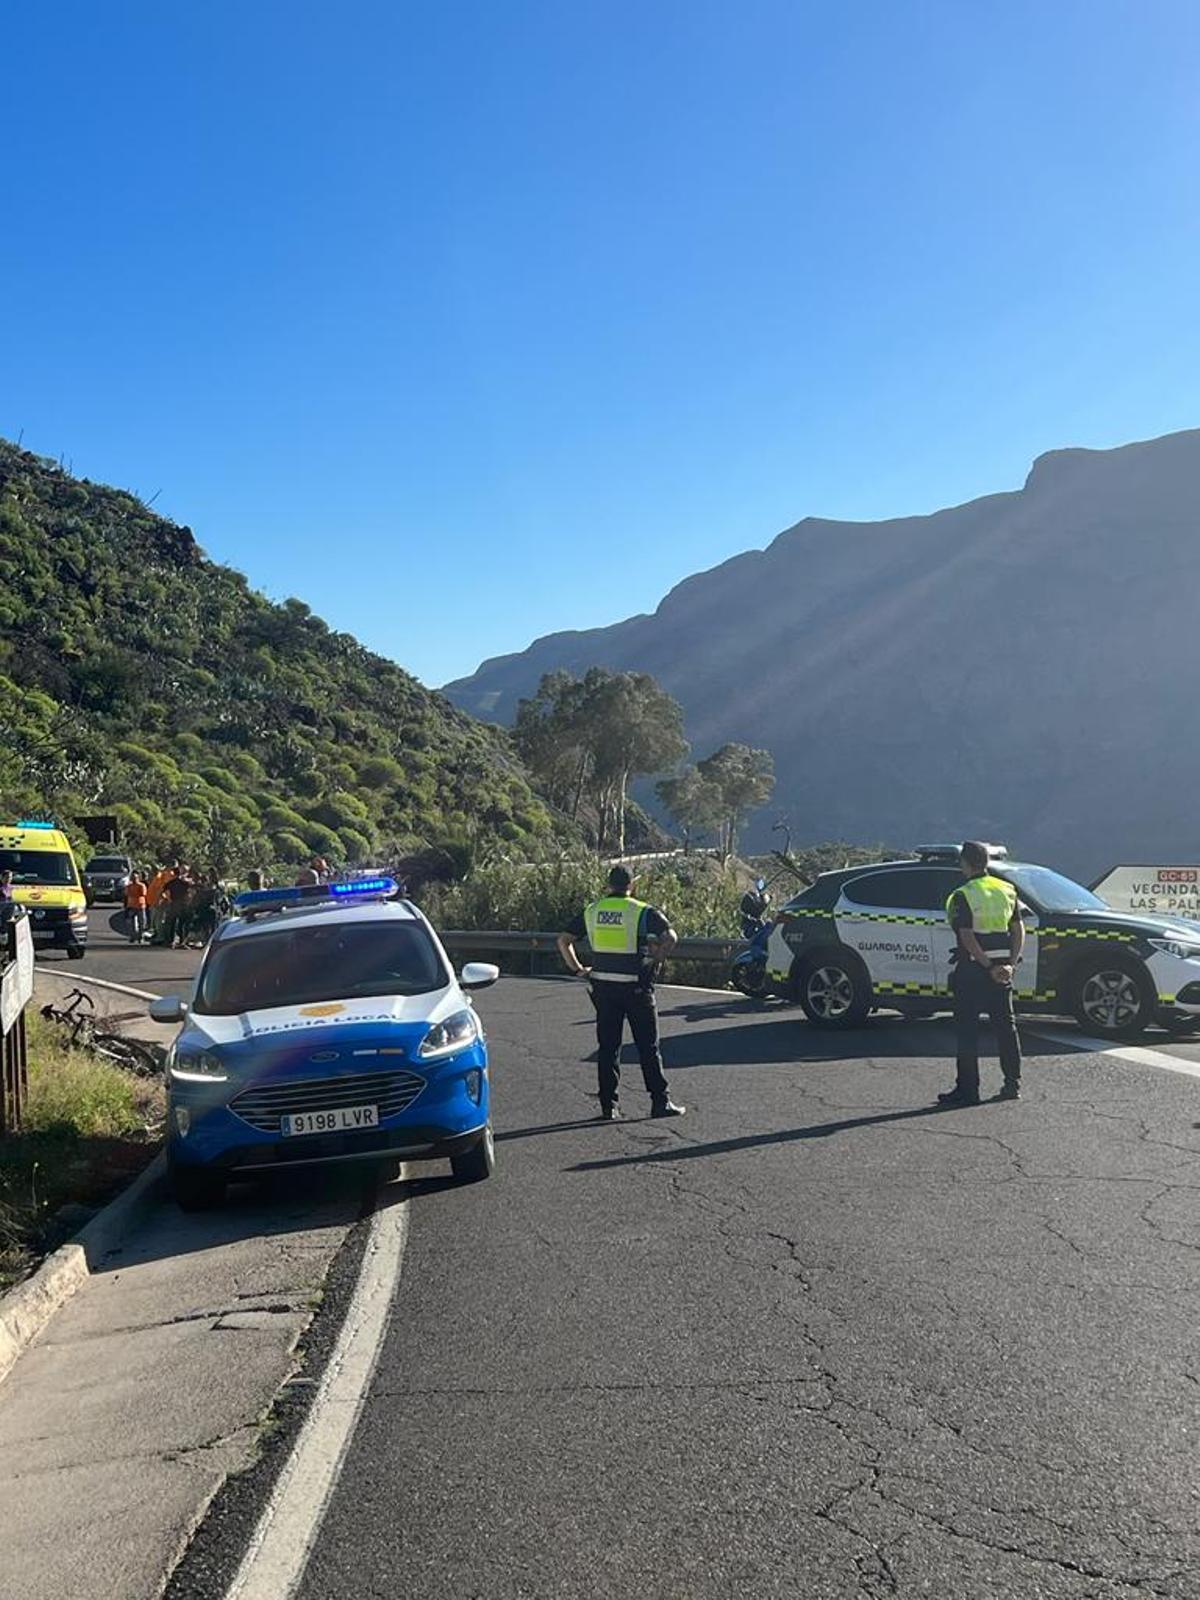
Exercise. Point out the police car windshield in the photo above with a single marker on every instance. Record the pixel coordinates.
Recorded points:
(51, 867)
(334, 961)
(1050, 891)
(107, 864)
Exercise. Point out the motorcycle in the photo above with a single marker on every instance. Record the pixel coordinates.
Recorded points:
(749, 971)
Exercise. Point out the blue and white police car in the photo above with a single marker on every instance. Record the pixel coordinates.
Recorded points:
(325, 1024)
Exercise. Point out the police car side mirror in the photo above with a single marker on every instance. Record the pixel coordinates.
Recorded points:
(478, 975)
(168, 1008)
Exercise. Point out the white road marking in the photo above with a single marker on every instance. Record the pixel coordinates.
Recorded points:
(287, 1530)
(1140, 1054)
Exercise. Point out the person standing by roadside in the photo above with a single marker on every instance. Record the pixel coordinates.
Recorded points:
(204, 911)
(176, 894)
(156, 905)
(627, 938)
(6, 890)
(135, 908)
(986, 917)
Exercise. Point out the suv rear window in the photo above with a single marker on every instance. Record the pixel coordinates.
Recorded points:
(337, 961)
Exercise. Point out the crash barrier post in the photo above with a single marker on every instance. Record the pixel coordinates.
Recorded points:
(538, 947)
(16, 991)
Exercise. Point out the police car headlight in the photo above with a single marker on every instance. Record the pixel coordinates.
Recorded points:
(444, 1038)
(202, 1067)
(1176, 948)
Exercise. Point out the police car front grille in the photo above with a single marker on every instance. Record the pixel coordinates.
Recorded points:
(264, 1104)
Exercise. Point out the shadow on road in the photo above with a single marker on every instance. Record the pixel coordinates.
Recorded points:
(774, 1040)
(550, 1127)
(265, 1207)
(735, 1006)
(719, 1147)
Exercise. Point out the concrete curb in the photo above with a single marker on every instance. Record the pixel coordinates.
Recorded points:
(25, 1310)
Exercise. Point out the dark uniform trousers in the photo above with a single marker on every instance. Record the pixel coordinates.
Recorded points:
(616, 1004)
(975, 991)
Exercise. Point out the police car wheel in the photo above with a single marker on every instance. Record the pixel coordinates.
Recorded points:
(75, 952)
(477, 1163)
(834, 992)
(1113, 998)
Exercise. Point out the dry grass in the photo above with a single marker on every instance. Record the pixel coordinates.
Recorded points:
(89, 1127)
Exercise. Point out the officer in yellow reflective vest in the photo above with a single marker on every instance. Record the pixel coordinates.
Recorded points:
(986, 916)
(628, 938)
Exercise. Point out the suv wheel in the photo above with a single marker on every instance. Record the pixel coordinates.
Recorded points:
(833, 991)
(1113, 997)
(477, 1163)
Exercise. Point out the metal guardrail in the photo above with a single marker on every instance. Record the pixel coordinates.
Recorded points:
(16, 991)
(469, 941)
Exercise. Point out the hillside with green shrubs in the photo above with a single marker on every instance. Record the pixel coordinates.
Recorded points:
(140, 678)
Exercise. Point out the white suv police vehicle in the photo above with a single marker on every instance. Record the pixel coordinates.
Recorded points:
(876, 937)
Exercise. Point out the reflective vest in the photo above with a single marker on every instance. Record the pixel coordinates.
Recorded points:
(613, 928)
(993, 905)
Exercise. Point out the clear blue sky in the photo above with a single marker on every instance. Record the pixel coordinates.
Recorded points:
(470, 321)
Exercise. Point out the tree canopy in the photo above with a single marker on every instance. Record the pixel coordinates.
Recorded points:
(744, 779)
(591, 736)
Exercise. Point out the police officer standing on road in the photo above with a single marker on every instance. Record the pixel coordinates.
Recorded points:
(986, 917)
(628, 938)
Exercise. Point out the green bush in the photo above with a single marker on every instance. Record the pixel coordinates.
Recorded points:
(322, 841)
(699, 897)
(355, 847)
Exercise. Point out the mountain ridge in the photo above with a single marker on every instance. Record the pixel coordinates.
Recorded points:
(841, 646)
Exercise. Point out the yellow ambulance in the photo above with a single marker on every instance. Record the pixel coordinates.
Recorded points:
(45, 879)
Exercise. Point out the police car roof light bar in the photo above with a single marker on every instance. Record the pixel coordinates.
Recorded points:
(254, 902)
(950, 852)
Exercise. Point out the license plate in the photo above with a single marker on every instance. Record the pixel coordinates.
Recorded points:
(346, 1119)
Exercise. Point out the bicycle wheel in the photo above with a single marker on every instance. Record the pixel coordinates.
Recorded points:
(128, 1053)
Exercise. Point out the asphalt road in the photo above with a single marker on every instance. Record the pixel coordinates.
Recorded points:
(813, 1340)
(816, 1339)
(110, 956)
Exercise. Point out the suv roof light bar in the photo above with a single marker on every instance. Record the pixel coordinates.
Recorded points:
(312, 896)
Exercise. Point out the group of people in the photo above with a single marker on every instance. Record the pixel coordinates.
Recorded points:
(174, 905)
(629, 939)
